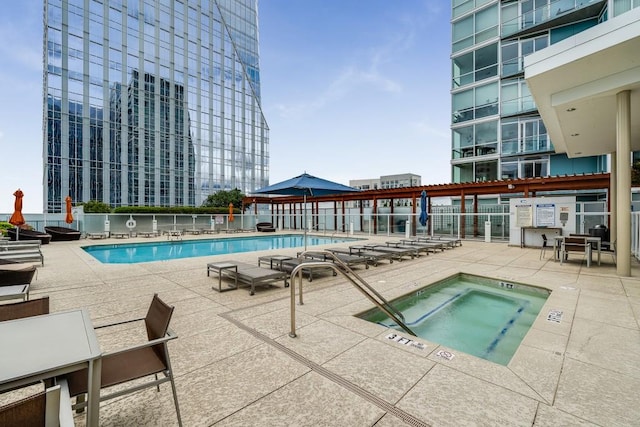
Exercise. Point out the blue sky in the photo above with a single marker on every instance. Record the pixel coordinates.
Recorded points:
(351, 89)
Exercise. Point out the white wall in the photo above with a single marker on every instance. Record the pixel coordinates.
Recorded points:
(545, 214)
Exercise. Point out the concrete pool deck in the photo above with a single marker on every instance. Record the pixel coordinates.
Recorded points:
(236, 365)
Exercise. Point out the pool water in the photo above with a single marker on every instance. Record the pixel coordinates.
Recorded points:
(484, 317)
(131, 253)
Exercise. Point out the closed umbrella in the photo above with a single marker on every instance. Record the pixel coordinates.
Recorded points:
(424, 215)
(69, 218)
(306, 185)
(17, 219)
(231, 212)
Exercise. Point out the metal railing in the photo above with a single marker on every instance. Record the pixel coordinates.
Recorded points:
(360, 284)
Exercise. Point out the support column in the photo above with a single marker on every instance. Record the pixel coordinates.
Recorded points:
(463, 217)
(613, 198)
(623, 183)
(475, 215)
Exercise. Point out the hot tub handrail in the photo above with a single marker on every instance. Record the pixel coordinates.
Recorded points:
(338, 261)
(340, 267)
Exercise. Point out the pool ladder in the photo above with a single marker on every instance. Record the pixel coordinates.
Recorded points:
(340, 267)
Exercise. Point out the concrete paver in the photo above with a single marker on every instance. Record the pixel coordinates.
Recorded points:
(236, 364)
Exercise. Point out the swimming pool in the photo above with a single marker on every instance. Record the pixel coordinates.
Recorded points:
(131, 253)
(484, 317)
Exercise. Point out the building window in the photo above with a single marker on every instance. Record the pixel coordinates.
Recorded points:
(476, 172)
(525, 168)
(475, 103)
(622, 6)
(516, 97)
(460, 7)
(475, 66)
(476, 28)
(524, 135)
(513, 53)
(476, 140)
(486, 171)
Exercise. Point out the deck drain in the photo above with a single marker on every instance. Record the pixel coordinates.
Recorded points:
(382, 404)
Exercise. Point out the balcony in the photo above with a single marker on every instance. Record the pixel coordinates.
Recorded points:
(554, 14)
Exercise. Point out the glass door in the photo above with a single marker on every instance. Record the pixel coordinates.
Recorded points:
(533, 136)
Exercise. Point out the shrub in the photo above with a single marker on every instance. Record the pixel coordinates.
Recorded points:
(94, 206)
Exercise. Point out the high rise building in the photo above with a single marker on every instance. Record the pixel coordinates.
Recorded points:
(151, 102)
(497, 132)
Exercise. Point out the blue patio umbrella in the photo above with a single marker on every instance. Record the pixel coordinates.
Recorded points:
(423, 208)
(306, 185)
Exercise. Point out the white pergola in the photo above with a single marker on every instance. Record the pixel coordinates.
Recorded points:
(587, 88)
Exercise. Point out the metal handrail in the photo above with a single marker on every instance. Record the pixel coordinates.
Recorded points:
(346, 268)
(340, 267)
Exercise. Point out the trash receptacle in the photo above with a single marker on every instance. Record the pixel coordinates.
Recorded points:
(602, 232)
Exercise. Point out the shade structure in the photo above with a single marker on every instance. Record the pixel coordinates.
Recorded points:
(231, 212)
(17, 219)
(69, 218)
(424, 215)
(306, 185)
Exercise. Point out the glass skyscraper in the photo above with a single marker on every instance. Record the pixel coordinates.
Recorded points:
(151, 102)
(497, 132)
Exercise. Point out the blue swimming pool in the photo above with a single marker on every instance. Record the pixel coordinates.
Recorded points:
(485, 317)
(131, 253)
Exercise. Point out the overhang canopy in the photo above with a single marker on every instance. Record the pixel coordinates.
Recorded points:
(574, 84)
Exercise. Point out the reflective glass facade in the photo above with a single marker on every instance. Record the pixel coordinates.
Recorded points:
(497, 132)
(151, 102)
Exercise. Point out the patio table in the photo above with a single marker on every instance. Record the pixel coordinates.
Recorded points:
(219, 268)
(273, 260)
(41, 347)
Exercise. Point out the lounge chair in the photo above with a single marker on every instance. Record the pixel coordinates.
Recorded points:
(22, 251)
(432, 246)
(348, 260)
(265, 227)
(135, 363)
(451, 241)
(419, 248)
(62, 234)
(289, 264)
(372, 257)
(251, 275)
(15, 272)
(44, 238)
(14, 292)
(102, 235)
(407, 251)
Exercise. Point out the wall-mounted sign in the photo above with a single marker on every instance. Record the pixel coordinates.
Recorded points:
(546, 215)
(524, 216)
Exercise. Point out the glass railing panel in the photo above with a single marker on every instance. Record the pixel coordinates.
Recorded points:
(509, 147)
(517, 106)
(542, 14)
(513, 66)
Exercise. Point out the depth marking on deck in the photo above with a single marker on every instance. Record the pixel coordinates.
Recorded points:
(555, 316)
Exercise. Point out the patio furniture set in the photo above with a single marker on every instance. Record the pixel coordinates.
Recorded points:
(75, 366)
(583, 245)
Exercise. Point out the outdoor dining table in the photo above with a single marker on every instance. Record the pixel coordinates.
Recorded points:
(41, 347)
(557, 244)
